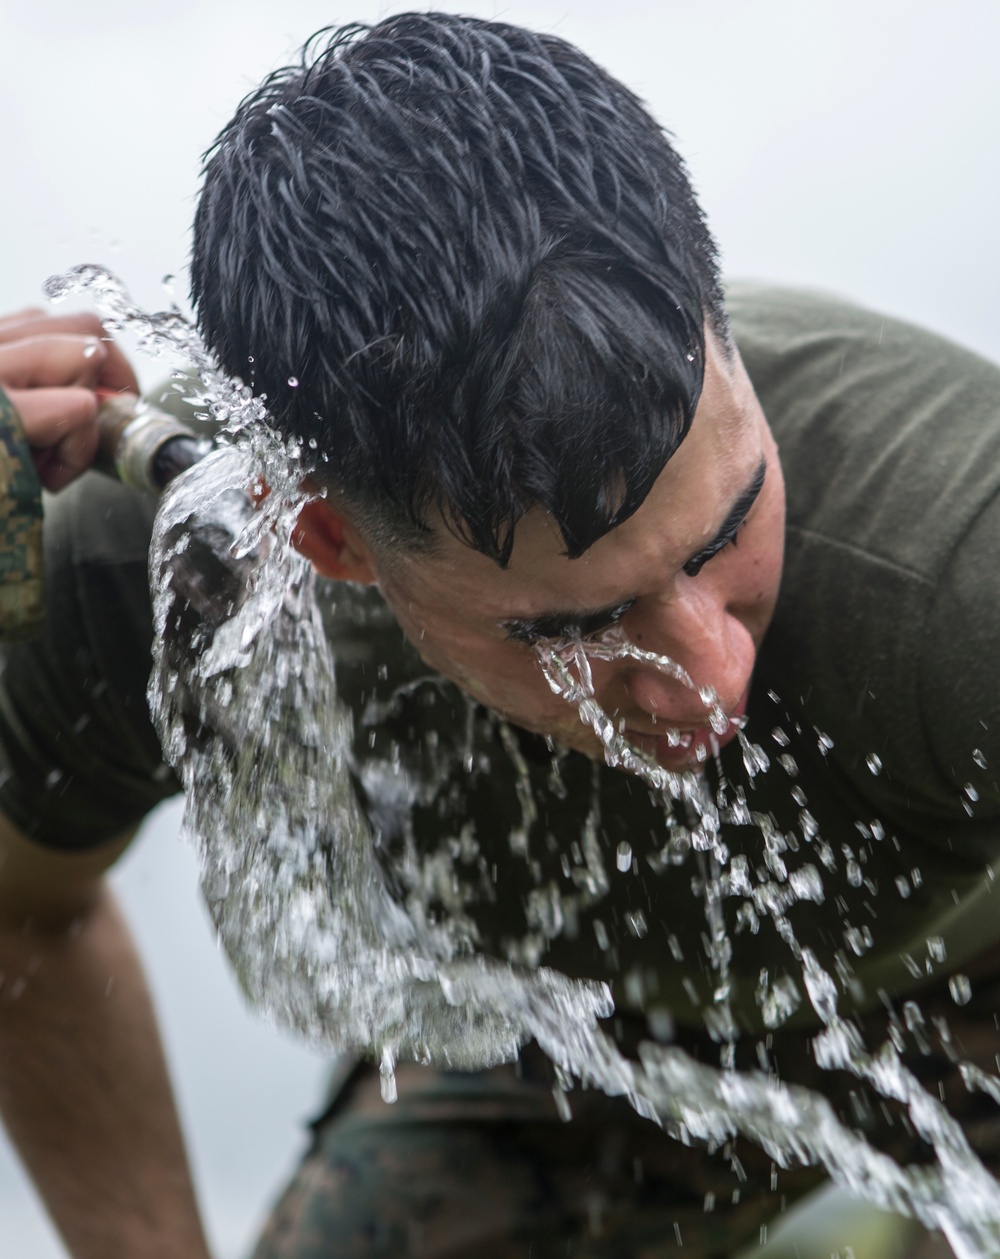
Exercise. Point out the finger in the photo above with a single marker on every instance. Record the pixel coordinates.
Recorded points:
(30, 323)
(45, 362)
(116, 374)
(48, 415)
(62, 431)
(30, 313)
(64, 462)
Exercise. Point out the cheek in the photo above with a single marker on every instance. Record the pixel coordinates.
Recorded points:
(502, 675)
(765, 569)
(477, 664)
(767, 546)
(755, 568)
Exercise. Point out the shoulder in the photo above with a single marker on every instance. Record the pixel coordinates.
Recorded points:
(889, 435)
(838, 343)
(890, 443)
(959, 680)
(79, 759)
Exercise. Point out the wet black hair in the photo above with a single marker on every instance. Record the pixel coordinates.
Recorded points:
(482, 262)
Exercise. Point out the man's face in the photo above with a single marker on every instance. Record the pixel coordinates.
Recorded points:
(693, 575)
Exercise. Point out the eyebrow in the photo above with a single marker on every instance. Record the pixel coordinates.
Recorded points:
(737, 514)
(580, 624)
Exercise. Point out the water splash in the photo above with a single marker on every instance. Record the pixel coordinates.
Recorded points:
(245, 699)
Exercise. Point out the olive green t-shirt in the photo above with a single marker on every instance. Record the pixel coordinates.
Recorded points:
(884, 634)
(875, 699)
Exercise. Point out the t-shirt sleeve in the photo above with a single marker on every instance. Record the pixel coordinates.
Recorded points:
(960, 673)
(80, 761)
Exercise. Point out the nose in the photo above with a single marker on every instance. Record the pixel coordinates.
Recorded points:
(697, 628)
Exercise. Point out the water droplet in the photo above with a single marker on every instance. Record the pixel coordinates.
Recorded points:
(293, 381)
(824, 743)
(778, 1002)
(978, 757)
(661, 1024)
(807, 885)
(960, 989)
(90, 349)
(874, 763)
(854, 874)
(747, 919)
(636, 921)
(903, 887)
(821, 988)
(562, 1103)
(624, 856)
(779, 736)
(387, 1074)
(755, 759)
(936, 950)
(601, 933)
(971, 792)
(249, 358)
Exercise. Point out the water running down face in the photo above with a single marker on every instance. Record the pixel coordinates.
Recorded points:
(692, 575)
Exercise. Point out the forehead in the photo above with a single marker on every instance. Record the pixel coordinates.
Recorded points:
(687, 503)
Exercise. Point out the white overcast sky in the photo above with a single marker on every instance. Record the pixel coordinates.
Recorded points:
(847, 144)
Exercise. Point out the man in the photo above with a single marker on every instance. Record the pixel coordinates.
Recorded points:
(465, 264)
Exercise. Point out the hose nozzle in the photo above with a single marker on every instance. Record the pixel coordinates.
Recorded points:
(142, 446)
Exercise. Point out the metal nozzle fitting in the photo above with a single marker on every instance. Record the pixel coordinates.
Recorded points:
(132, 438)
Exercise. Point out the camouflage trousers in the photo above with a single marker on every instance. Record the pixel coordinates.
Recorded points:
(484, 1164)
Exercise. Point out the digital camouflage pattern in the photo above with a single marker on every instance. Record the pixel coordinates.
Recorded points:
(22, 607)
(483, 1164)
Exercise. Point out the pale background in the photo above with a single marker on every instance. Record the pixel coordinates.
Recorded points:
(848, 144)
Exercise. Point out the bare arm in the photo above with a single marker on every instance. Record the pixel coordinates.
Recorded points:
(84, 1091)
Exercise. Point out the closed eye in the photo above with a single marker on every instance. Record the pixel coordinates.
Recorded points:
(694, 565)
(561, 625)
(731, 525)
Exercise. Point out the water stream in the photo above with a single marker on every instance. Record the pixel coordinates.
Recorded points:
(310, 913)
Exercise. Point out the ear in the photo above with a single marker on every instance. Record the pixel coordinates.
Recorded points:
(332, 544)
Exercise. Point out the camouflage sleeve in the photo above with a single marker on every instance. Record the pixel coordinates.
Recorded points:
(22, 607)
